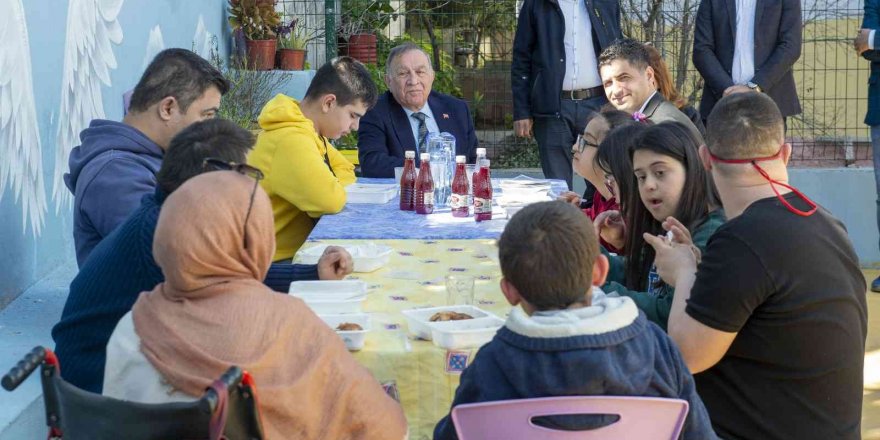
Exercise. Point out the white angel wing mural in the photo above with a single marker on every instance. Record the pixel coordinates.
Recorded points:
(155, 44)
(202, 39)
(21, 161)
(92, 25)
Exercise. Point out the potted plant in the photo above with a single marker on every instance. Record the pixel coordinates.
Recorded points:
(257, 21)
(360, 19)
(292, 41)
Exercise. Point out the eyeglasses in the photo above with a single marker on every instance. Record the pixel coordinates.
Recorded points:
(581, 144)
(214, 164)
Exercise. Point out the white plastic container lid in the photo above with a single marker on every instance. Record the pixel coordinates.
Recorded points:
(343, 296)
(367, 257)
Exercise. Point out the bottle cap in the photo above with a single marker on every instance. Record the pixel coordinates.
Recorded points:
(410, 154)
(425, 157)
(460, 159)
(481, 151)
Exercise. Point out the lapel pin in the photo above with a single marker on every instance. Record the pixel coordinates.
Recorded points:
(445, 115)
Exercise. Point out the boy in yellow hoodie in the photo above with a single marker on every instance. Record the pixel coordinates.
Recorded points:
(305, 176)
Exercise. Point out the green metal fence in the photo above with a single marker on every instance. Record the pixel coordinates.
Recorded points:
(471, 42)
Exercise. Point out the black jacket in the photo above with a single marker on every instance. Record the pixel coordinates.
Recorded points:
(778, 35)
(539, 56)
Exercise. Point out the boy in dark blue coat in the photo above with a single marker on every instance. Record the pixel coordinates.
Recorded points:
(568, 338)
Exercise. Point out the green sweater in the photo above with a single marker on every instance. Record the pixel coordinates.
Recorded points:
(656, 306)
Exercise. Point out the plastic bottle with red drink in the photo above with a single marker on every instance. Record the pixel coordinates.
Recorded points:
(424, 197)
(481, 154)
(408, 182)
(483, 192)
(460, 188)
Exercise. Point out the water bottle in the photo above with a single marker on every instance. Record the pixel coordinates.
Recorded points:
(424, 200)
(408, 182)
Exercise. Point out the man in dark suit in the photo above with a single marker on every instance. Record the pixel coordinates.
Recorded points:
(867, 44)
(631, 86)
(554, 75)
(404, 115)
(731, 58)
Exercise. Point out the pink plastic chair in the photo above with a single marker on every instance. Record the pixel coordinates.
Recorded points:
(640, 418)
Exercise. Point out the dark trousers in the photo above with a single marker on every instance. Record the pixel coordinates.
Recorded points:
(556, 135)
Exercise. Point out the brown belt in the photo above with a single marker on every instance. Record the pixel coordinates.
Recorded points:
(577, 95)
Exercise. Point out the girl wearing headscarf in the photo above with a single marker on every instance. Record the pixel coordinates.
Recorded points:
(214, 242)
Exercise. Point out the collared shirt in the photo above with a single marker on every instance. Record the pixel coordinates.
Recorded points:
(645, 104)
(581, 65)
(744, 52)
(430, 122)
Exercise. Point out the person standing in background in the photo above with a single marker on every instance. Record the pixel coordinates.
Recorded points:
(867, 45)
(555, 74)
(731, 60)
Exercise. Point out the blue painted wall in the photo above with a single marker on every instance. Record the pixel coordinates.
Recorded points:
(25, 256)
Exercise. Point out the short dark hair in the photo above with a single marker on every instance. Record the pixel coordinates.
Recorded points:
(186, 154)
(627, 49)
(179, 73)
(743, 126)
(401, 49)
(346, 78)
(547, 252)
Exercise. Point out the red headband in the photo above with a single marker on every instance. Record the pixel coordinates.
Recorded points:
(772, 181)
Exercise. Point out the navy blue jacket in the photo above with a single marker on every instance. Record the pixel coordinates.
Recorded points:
(872, 21)
(109, 283)
(110, 172)
(538, 66)
(385, 132)
(777, 48)
(636, 360)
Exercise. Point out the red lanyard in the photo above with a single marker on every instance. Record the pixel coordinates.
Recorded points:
(773, 182)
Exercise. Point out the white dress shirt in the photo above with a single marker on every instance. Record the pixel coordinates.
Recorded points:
(581, 65)
(744, 51)
(645, 104)
(430, 122)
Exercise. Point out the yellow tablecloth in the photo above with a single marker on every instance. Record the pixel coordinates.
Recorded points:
(425, 376)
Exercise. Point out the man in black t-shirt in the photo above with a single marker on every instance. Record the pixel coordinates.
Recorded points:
(774, 319)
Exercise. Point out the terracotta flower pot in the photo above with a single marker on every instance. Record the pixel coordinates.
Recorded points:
(362, 47)
(260, 54)
(291, 59)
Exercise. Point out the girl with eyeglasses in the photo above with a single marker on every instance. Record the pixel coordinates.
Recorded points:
(657, 175)
(584, 163)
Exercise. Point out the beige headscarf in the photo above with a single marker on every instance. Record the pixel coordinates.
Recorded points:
(213, 311)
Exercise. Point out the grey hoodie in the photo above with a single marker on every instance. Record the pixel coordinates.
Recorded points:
(110, 172)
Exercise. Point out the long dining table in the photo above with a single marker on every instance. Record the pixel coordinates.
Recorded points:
(426, 248)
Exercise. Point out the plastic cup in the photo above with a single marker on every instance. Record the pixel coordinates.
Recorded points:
(459, 290)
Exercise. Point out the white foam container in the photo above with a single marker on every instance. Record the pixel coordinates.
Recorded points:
(354, 339)
(419, 324)
(366, 257)
(331, 296)
(467, 333)
(377, 193)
